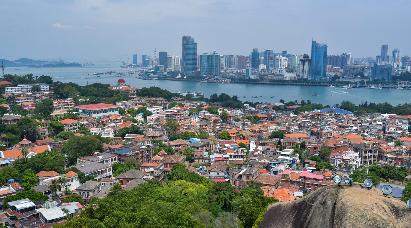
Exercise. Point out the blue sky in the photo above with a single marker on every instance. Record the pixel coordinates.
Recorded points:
(114, 29)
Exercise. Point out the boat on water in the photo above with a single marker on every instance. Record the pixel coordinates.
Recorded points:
(331, 86)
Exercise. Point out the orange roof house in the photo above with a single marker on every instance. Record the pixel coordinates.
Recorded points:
(297, 135)
(13, 154)
(354, 138)
(40, 149)
(47, 174)
(70, 174)
(283, 195)
(68, 121)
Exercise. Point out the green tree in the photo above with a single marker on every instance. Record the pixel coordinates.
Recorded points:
(171, 127)
(28, 129)
(407, 192)
(250, 203)
(224, 116)
(119, 168)
(277, 135)
(55, 127)
(73, 198)
(212, 110)
(325, 153)
(29, 179)
(224, 135)
(44, 109)
(79, 146)
(36, 197)
(221, 196)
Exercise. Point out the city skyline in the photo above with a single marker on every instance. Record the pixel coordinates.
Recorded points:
(107, 29)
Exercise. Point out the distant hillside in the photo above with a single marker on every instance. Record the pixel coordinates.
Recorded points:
(339, 207)
(25, 62)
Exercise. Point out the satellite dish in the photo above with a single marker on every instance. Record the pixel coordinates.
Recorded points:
(337, 179)
(368, 183)
(387, 189)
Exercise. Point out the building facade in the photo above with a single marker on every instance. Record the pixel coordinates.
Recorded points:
(189, 55)
(318, 65)
(210, 64)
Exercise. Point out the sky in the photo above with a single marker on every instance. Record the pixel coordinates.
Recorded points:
(92, 30)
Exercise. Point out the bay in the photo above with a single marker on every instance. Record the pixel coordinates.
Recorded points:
(245, 92)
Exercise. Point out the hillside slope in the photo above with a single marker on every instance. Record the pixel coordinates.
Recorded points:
(339, 207)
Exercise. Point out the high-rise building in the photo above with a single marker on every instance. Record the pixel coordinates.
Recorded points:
(162, 59)
(280, 62)
(229, 61)
(269, 59)
(292, 63)
(241, 62)
(304, 67)
(173, 63)
(210, 64)
(396, 59)
(145, 60)
(339, 60)
(381, 72)
(384, 54)
(189, 55)
(318, 65)
(135, 59)
(255, 59)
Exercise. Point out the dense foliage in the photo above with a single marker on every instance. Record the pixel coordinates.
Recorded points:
(380, 173)
(36, 197)
(119, 168)
(364, 108)
(226, 100)
(79, 146)
(155, 92)
(186, 199)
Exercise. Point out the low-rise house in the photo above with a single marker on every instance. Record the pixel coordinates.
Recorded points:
(70, 125)
(153, 170)
(46, 177)
(105, 158)
(95, 169)
(89, 189)
(97, 110)
(132, 178)
(72, 180)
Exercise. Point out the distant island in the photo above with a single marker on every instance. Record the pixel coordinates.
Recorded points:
(26, 62)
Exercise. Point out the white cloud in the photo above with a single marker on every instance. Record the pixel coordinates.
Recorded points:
(59, 25)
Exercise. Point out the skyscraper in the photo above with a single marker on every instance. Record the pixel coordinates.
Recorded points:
(162, 59)
(396, 59)
(135, 59)
(145, 60)
(210, 64)
(304, 67)
(255, 59)
(381, 72)
(189, 55)
(384, 53)
(318, 61)
(269, 59)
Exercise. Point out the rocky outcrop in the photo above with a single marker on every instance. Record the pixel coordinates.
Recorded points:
(339, 207)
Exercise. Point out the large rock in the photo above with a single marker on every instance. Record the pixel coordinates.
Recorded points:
(340, 207)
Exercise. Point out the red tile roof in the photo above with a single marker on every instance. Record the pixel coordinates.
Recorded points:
(68, 121)
(13, 154)
(98, 106)
(47, 174)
